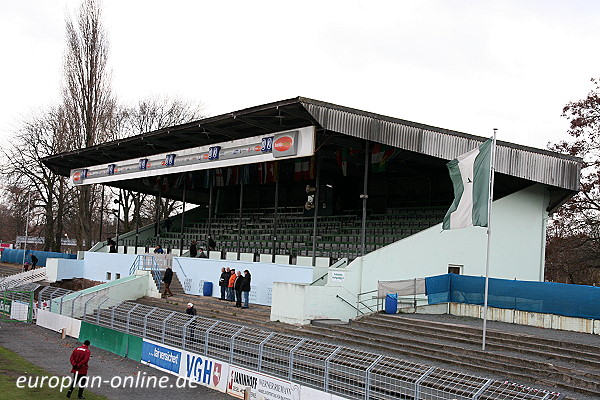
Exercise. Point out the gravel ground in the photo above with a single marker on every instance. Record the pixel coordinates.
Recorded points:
(47, 350)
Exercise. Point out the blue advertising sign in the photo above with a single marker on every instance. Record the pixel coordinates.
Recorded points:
(143, 164)
(160, 356)
(170, 160)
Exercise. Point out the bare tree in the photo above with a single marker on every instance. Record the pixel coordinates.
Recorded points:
(87, 98)
(148, 115)
(40, 135)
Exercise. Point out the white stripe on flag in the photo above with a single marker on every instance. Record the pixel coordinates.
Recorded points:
(470, 174)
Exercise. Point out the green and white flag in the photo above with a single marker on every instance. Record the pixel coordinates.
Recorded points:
(471, 176)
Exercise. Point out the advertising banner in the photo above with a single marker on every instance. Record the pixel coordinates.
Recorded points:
(164, 358)
(5, 306)
(262, 387)
(204, 371)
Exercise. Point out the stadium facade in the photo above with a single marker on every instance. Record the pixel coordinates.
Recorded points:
(302, 179)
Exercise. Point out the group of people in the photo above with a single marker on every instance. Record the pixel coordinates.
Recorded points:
(235, 287)
(33, 265)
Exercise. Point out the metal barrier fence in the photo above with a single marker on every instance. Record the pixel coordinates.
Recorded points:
(347, 372)
(17, 303)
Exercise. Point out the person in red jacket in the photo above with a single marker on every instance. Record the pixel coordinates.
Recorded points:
(79, 363)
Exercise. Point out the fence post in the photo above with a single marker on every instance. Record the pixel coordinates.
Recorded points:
(40, 301)
(184, 332)
(85, 306)
(368, 376)
(421, 379)
(164, 326)
(260, 351)
(231, 344)
(292, 356)
(482, 389)
(326, 380)
(98, 311)
(129, 317)
(73, 304)
(206, 338)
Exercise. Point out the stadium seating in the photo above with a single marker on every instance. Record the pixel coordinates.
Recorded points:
(338, 236)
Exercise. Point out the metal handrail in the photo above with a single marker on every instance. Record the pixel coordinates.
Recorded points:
(347, 302)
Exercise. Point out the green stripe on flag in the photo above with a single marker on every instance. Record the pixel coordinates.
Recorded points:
(470, 175)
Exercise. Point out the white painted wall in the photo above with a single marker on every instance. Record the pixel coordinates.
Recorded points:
(295, 303)
(517, 252)
(518, 236)
(200, 270)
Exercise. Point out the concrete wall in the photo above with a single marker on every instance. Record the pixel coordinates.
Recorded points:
(517, 250)
(128, 288)
(295, 303)
(539, 320)
(193, 272)
(57, 322)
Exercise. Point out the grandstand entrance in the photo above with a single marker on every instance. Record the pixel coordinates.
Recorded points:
(356, 181)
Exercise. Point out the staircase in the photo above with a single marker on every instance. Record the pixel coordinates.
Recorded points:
(10, 281)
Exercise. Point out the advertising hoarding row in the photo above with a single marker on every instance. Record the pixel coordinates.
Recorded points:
(216, 374)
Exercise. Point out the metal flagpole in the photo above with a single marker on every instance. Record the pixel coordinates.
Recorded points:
(489, 240)
(26, 229)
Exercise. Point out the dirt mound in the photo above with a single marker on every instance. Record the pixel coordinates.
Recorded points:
(76, 284)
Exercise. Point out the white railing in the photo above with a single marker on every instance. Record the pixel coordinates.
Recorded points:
(35, 275)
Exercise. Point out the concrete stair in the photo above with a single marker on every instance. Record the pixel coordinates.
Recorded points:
(9, 269)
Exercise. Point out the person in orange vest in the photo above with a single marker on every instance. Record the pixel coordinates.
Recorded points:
(79, 363)
(230, 289)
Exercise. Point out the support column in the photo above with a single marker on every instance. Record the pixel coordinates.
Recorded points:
(137, 222)
(275, 213)
(210, 205)
(101, 214)
(317, 182)
(182, 216)
(239, 238)
(157, 216)
(364, 196)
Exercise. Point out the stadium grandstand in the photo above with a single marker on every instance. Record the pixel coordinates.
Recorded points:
(358, 182)
(333, 210)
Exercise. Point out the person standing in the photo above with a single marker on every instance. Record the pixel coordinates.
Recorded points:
(246, 288)
(112, 245)
(230, 284)
(190, 310)
(224, 281)
(211, 243)
(193, 249)
(79, 368)
(34, 261)
(167, 279)
(238, 289)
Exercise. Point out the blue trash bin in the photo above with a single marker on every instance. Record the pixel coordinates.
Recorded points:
(207, 289)
(391, 303)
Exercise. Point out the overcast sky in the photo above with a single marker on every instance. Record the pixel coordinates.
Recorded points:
(469, 66)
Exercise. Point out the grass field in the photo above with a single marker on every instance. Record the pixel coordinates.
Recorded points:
(13, 366)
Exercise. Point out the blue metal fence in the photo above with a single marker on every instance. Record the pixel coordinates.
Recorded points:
(16, 256)
(541, 297)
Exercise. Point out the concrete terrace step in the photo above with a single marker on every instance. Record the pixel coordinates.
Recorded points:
(521, 339)
(521, 344)
(452, 359)
(518, 357)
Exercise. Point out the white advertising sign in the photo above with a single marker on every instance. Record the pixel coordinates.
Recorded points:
(280, 145)
(262, 387)
(338, 276)
(199, 369)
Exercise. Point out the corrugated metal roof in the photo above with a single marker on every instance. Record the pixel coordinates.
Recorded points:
(524, 162)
